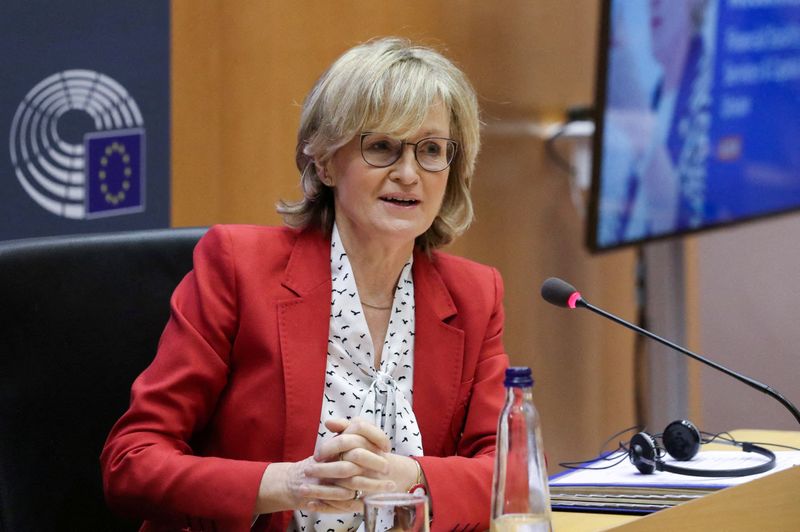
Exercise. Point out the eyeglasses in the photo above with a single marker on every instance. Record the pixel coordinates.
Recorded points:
(433, 154)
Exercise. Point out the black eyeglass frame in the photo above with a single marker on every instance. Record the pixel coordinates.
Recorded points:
(403, 144)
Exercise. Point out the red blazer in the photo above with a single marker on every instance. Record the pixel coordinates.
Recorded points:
(238, 379)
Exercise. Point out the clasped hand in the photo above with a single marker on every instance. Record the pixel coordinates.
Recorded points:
(356, 462)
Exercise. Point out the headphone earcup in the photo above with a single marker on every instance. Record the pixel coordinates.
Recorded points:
(681, 440)
(642, 453)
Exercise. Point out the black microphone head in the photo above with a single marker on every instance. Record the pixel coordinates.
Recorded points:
(559, 292)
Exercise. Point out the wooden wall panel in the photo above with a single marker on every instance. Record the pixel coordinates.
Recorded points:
(241, 70)
(196, 113)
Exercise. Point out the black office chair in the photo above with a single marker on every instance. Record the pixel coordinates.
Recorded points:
(81, 317)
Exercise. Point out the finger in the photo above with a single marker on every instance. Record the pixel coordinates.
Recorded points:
(367, 485)
(336, 507)
(337, 424)
(368, 461)
(328, 492)
(331, 449)
(369, 431)
(359, 426)
(334, 470)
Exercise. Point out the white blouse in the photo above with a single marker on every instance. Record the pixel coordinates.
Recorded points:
(353, 387)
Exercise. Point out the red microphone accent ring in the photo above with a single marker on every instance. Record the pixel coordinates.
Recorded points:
(573, 299)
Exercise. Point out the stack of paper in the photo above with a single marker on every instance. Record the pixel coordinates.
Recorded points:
(622, 489)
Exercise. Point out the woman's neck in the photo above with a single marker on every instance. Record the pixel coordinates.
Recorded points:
(376, 265)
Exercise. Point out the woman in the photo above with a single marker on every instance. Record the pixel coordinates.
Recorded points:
(270, 404)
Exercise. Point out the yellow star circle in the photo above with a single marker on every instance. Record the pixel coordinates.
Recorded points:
(118, 150)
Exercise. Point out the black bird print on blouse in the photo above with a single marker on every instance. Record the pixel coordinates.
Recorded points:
(353, 387)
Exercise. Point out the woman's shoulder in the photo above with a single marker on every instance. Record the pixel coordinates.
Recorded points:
(246, 236)
(257, 241)
(454, 265)
(465, 277)
(475, 289)
(253, 233)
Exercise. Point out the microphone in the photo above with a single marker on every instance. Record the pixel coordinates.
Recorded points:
(562, 294)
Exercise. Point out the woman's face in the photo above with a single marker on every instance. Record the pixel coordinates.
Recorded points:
(393, 204)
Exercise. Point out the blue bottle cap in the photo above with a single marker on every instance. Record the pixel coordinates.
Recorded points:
(518, 377)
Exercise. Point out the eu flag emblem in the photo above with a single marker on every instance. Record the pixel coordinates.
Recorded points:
(114, 172)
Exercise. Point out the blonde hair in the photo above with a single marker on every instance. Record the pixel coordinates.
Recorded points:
(386, 85)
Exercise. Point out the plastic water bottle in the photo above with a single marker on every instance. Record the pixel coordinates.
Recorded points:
(520, 493)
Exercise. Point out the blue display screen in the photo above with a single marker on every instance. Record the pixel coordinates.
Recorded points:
(699, 117)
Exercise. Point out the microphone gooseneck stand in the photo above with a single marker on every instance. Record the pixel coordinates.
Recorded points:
(761, 387)
(562, 294)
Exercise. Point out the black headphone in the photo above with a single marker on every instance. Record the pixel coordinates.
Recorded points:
(681, 440)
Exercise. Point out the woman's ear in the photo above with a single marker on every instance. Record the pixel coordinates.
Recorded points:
(322, 173)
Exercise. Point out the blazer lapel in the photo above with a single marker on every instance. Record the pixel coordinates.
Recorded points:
(303, 323)
(438, 354)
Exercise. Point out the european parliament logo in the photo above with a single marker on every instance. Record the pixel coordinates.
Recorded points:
(100, 174)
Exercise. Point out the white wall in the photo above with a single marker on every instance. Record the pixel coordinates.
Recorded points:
(749, 312)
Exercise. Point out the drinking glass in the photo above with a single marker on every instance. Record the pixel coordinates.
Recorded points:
(384, 512)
